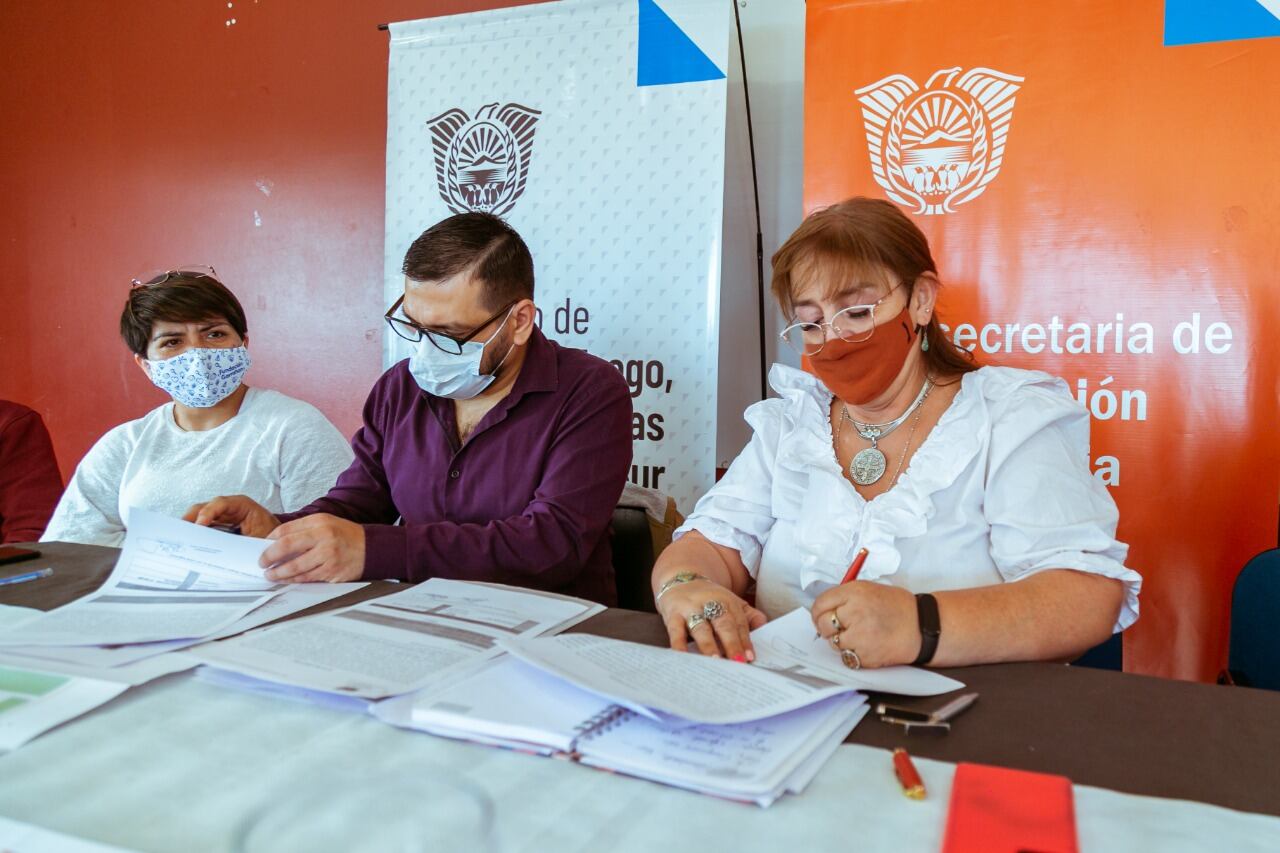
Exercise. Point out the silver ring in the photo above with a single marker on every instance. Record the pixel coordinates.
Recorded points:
(713, 610)
(850, 659)
(694, 621)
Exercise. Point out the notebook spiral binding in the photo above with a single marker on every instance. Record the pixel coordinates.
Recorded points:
(607, 719)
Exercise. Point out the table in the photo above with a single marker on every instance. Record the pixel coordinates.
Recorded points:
(1129, 733)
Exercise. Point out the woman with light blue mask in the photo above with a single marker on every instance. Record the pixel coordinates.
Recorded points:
(189, 335)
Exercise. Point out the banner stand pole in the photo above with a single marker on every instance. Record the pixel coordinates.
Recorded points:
(755, 188)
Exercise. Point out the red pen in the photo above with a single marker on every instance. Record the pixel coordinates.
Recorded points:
(855, 566)
(907, 774)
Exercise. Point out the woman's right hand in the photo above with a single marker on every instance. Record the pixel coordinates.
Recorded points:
(241, 511)
(727, 635)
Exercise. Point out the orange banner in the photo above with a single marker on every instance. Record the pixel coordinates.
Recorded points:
(1105, 208)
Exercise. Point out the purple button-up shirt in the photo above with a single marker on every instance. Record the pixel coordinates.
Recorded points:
(527, 500)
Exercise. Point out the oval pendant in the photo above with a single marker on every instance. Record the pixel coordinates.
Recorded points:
(867, 466)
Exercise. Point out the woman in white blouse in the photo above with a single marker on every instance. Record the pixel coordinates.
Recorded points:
(986, 536)
(218, 436)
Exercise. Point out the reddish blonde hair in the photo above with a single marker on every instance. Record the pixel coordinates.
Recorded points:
(864, 239)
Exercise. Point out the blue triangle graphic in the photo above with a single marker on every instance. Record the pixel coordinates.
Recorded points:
(664, 54)
(1200, 21)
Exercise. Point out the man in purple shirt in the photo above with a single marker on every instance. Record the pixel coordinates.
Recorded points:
(501, 452)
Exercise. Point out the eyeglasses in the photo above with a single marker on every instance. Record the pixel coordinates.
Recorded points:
(412, 332)
(854, 324)
(161, 276)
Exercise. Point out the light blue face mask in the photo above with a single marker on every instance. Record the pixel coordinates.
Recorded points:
(200, 378)
(456, 377)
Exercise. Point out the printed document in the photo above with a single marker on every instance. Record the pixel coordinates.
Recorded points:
(106, 661)
(398, 643)
(791, 671)
(174, 580)
(509, 703)
(33, 702)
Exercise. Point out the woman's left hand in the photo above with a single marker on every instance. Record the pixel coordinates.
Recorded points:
(875, 621)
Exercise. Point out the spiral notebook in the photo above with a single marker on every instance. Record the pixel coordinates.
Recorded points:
(511, 704)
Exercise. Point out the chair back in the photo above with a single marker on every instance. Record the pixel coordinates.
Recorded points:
(633, 558)
(1254, 656)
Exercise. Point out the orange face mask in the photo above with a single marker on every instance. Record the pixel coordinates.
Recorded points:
(859, 372)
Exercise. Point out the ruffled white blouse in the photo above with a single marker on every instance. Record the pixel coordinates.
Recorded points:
(999, 490)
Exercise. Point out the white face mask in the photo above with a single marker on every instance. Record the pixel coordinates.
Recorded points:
(200, 378)
(456, 377)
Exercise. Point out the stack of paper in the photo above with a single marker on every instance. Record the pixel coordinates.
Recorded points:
(738, 731)
(175, 584)
(792, 670)
(396, 644)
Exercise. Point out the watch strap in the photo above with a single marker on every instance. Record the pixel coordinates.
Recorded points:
(930, 628)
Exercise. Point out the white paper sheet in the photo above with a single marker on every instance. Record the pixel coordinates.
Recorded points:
(757, 761)
(512, 704)
(33, 702)
(174, 580)
(11, 616)
(791, 671)
(288, 600)
(130, 674)
(693, 687)
(788, 645)
(163, 553)
(398, 643)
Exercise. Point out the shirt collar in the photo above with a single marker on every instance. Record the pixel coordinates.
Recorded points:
(539, 371)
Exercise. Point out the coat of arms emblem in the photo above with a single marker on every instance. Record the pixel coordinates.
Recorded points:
(938, 147)
(482, 163)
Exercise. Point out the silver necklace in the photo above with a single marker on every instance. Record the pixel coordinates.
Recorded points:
(868, 465)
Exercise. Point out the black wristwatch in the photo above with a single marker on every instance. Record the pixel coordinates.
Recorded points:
(930, 627)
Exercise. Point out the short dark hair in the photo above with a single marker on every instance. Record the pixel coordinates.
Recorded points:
(181, 298)
(478, 241)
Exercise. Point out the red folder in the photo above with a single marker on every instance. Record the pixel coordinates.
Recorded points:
(997, 810)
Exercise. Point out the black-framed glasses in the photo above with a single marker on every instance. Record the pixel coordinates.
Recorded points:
(854, 324)
(413, 333)
(161, 276)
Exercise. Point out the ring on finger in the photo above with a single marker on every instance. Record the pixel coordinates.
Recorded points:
(835, 642)
(835, 623)
(850, 659)
(694, 621)
(713, 610)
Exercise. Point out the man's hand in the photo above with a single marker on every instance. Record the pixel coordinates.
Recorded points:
(315, 548)
(241, 511)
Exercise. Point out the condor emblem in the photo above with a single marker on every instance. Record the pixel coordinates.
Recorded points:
(482, 163)
(938, 147)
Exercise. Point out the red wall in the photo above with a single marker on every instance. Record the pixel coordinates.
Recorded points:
(135, 137)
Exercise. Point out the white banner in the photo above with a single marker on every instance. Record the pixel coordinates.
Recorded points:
(597, 129)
